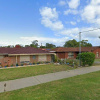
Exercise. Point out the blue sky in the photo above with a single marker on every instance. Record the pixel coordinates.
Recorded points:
(48, 21)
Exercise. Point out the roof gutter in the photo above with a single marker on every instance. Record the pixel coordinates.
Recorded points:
(2, 54)
(31, 54)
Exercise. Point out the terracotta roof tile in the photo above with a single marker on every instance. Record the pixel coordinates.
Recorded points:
(25, 50)
(74, 49)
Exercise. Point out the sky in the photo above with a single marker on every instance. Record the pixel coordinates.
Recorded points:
(49, 21)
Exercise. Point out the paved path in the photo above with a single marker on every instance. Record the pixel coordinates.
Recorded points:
(35, 80)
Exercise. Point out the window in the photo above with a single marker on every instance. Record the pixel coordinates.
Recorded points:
(42, 58)
(34, 57)
(70, 55)
(24, 58)
(97, 54)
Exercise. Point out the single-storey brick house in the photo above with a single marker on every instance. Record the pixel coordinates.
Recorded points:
(72, 52)
(9, 56)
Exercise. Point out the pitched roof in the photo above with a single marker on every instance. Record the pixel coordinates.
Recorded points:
(24, 50)
(74, 49)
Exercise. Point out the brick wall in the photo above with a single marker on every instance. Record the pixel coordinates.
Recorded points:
(66, 55)
(33, 59)
(6, 61)
(13, 58)
(49, 58)
(97, 51)
(75, 55)
(61, 55)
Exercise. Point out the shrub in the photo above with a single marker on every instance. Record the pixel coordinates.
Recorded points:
(12, 65)
(55, 58)
(61, 61)
(16, 64)
(87, 58)
(72, 62)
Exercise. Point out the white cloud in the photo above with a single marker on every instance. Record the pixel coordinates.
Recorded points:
(70, 11)
(91, 12)
(50, 18)
(49, 13)
(2, 43)
(44, 40)
(73, 23)
(74, 4)
(62, 3)
(92, 36)
(71, 33)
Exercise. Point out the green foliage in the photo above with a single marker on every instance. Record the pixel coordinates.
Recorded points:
(72, 62)
(17, 64)
(85, 44)
(34, 44)
(74, 43)
(48, 45)
(71, 43)
(55, 58)
(22, 72)
(87, 58)
(12, 65)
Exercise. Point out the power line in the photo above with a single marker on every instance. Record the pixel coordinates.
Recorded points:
(80, 43)
(90, 30)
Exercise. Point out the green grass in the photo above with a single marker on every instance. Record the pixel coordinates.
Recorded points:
(82, 87)
(15, 73)
(97, 60)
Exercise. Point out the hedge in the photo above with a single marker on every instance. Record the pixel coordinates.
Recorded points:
(87, 58)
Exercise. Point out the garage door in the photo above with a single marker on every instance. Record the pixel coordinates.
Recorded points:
(24, 58)
(42, 58)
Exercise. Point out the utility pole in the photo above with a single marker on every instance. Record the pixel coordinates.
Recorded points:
(80, 43)
(99, 38)
(79, 48)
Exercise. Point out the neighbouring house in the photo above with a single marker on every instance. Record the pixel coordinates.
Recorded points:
(72, 52)
(13, 56)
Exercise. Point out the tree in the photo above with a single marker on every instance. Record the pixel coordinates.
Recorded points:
(74, 43)
(71, 43)
(48, 45)
(27, 45)
(34, 44)
(85, 44)
(10, 46)
(42, 47)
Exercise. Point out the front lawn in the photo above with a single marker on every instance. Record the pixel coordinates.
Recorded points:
(15, 73)
(82, 87)
(98, 60)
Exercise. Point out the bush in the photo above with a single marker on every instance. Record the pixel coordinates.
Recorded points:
(55, 58)
(17, 64)
(72, 62)
(87, 58)
(61, 61)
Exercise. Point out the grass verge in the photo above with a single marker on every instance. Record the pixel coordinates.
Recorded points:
(82, 87)
(22, 72)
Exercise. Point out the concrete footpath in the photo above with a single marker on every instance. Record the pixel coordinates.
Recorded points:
(35, 80)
